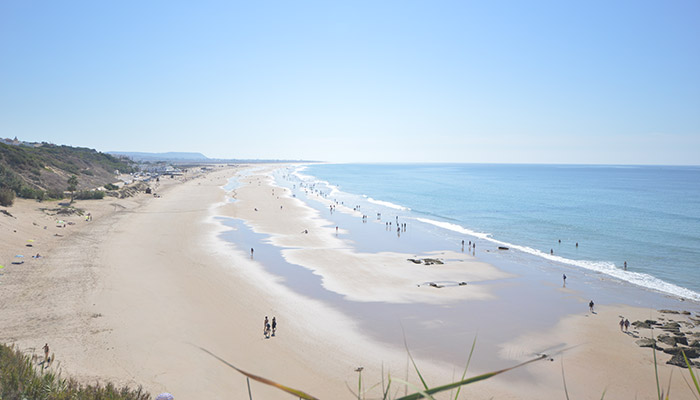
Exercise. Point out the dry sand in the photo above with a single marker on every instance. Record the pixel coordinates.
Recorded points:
(131, 296)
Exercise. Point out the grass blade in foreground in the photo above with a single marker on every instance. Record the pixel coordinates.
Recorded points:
(692, 375)
(469, 360)
(656, 369)
(425, 385)
(260, 379)
(416, 396)
(422, 393)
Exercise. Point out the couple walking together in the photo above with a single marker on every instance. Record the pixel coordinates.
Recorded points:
(269, 330)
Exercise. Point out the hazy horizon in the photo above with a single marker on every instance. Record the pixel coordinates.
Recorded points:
(462, 82)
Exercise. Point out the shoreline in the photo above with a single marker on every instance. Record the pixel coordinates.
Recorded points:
(562, 314)
(452, 229)
(158, 279)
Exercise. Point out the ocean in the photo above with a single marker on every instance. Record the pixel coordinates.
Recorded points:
(647, 216)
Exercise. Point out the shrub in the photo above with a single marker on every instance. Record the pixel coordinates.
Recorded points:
(90, 195)
(111, 186)
(29, 193)
(55, 194)
(7, 197)
(20, 379)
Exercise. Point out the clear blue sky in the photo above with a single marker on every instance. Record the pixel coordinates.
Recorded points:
(490, 81)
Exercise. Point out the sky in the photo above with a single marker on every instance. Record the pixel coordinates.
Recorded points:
(585, 82)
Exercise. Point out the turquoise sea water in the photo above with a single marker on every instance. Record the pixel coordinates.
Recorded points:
(648, 216)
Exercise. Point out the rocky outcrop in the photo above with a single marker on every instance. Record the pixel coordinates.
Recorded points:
(426, 261)
(681, 339)
(689, 352)
(646, 324)
(667, 340)
(678, 360)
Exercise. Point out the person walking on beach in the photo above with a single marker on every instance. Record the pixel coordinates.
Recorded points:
(627, 325)
(265, 324)
(564, 278)
(251, 252)
(622, 324)
(590, 306)
(46, 353)
(274, 326)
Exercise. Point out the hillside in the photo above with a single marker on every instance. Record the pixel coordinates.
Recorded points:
(38, 171)
(169, 156)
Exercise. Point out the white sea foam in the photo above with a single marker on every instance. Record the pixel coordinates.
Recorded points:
(455, 228)
(605, 267)
(388, 204)
(312, 180)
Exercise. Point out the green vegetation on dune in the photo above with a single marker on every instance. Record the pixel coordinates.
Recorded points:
(41, 172)
(23, 378)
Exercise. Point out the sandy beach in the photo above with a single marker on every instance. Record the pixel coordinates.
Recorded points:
(134, 295)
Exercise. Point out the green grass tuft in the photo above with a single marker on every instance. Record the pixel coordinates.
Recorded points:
(20, 378)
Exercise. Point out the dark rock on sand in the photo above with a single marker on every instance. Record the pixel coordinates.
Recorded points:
(640, 324)
(690, 353)
(678, 360)
(431, 261)
(413, 260)
(674, 327)
(668, 311)
(680, 339)
(668, 340)
(695, 343)
(646, 342)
